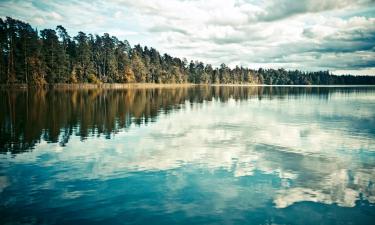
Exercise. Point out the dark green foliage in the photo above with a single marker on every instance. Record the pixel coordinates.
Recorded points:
(55, 57)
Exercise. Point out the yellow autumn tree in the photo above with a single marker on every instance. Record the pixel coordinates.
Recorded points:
(129, 75)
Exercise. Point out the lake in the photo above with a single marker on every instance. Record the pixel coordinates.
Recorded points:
(198, 155)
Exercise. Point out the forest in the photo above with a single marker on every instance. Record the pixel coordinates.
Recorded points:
(51, 56)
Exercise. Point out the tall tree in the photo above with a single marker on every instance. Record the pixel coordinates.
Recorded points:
(84, 65)
(51, 52)
(63, 56)
(138, 67)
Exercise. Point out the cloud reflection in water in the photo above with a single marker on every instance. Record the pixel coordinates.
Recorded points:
(316, 148)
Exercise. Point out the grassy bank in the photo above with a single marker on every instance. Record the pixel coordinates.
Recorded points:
(94, 86)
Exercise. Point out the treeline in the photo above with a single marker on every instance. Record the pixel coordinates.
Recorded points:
(53, 56)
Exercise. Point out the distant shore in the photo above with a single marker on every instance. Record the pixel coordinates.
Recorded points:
(83, 86)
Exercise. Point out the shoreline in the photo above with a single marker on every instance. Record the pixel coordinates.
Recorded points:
(83, 86)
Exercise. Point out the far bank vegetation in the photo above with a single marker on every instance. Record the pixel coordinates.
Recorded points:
(51, 56)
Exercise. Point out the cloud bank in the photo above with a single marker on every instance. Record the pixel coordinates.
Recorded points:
(336, 35)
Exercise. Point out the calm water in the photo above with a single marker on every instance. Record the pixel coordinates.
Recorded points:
(220, 155)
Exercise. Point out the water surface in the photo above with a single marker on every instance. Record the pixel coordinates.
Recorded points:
(202, 155)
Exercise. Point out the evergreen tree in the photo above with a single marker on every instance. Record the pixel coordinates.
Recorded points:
(51, 50)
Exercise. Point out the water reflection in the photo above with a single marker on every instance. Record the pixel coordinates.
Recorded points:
(27, 117)
(219, 153)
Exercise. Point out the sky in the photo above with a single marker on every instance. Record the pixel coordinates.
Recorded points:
(335, 35)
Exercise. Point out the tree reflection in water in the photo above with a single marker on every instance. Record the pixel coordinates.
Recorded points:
(28, 116)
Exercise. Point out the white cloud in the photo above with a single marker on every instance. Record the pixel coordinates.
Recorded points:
(54, 16)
